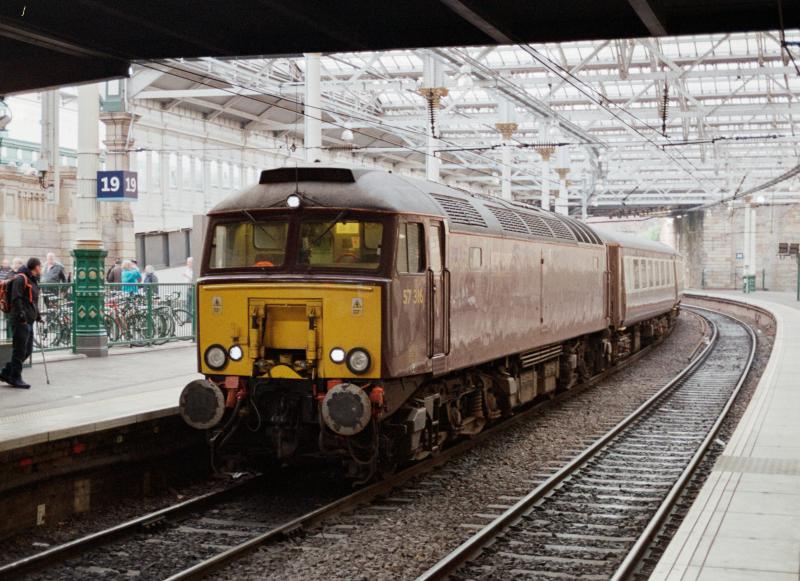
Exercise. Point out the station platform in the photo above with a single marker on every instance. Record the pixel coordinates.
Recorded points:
(90, 395)
(745, 522)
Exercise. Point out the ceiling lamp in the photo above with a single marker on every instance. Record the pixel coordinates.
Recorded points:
(347, 134)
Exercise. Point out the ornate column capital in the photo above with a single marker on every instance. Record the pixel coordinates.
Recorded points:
(434, 95)
(546, 152)
(507, 130)
(562, 172)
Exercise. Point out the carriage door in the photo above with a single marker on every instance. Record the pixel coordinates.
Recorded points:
(437, 294)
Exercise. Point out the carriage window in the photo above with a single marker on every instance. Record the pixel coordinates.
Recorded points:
(340, 244)
(635, 273)
(246, 244)
(410, 249)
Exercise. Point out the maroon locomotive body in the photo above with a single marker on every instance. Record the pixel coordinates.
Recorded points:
(454, 308)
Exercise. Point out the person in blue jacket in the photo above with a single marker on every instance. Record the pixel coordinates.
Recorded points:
(131, 277)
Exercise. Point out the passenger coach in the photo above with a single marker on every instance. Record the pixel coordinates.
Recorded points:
(367, 317)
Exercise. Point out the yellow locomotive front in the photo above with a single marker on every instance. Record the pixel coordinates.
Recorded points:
(289, 312)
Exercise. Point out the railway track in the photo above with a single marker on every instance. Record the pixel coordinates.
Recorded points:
(596, 517)
(210, 522)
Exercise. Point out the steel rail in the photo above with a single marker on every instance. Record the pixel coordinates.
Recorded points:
(475, 544)
(59, 553)
(642, 544)
(86, 543)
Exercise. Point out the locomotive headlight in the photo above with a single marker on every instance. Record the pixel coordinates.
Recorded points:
(293, 201)
(235, 353)
(358, 360)
(216, 357)
(337, 355)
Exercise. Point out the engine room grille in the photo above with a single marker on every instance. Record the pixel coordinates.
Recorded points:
(509, 220)
(536, 225)
(559, 229)
(579, 234)
(460, 211)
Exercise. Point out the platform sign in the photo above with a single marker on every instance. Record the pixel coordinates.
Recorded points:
(740, 256)
(117, 186)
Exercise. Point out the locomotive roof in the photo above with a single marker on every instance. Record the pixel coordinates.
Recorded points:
(379, 190)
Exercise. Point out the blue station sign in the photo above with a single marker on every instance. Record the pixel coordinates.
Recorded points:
(117, 186)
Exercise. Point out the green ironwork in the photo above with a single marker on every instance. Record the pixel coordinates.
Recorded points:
(749, 283)
(90, 333)
(57, 309)
(142, 314)
(134, 314)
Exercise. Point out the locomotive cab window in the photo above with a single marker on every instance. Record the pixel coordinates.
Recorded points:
(249, 244)
(410, 248)
(340, 244)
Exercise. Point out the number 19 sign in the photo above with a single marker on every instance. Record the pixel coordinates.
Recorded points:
(117, 186)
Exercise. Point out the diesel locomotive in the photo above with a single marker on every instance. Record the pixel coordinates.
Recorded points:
(368, 318)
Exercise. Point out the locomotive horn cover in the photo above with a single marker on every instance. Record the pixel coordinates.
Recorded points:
(202, 404)
(346, 409)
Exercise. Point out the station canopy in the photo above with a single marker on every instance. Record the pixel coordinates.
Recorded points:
(646, 103)
(640, 124)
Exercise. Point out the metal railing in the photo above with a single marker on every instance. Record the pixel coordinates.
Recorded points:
(148, 314)
(133, 314)
(57, 309)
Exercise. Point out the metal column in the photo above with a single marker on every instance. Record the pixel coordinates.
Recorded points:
(90, 333)
(313, 112)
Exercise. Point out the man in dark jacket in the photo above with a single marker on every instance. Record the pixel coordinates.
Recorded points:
(24, 297)
(114, 274)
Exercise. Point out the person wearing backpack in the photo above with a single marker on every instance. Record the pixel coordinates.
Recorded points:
(22, 298)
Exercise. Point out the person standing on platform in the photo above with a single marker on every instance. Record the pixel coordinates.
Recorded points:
(150, 274)
(5, 269)
(53, 270)
(130, 277)
(23, 295)
(114, 274)
(17, 263)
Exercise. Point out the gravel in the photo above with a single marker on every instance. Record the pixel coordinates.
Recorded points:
(401, 536)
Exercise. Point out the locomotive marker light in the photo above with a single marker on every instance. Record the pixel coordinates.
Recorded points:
(346, 409)
(293, 201)
(358, 360)
(216, 357)
(337, 355)
(235, 353)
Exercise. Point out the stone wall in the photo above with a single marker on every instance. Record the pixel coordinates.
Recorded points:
(34, 222)
(712, 243)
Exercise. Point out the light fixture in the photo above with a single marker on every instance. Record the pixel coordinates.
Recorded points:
(337, 355)
(236, 353)
(293, 201)
(358, 361)
(347, 134)
(216, 357)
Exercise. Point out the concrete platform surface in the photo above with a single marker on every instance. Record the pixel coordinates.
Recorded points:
(745, 522)
(86, 395)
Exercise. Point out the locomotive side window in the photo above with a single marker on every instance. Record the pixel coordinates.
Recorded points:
(245, 244)
(435, 246)
(340, 244)
(410, 249)
(475, 257)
